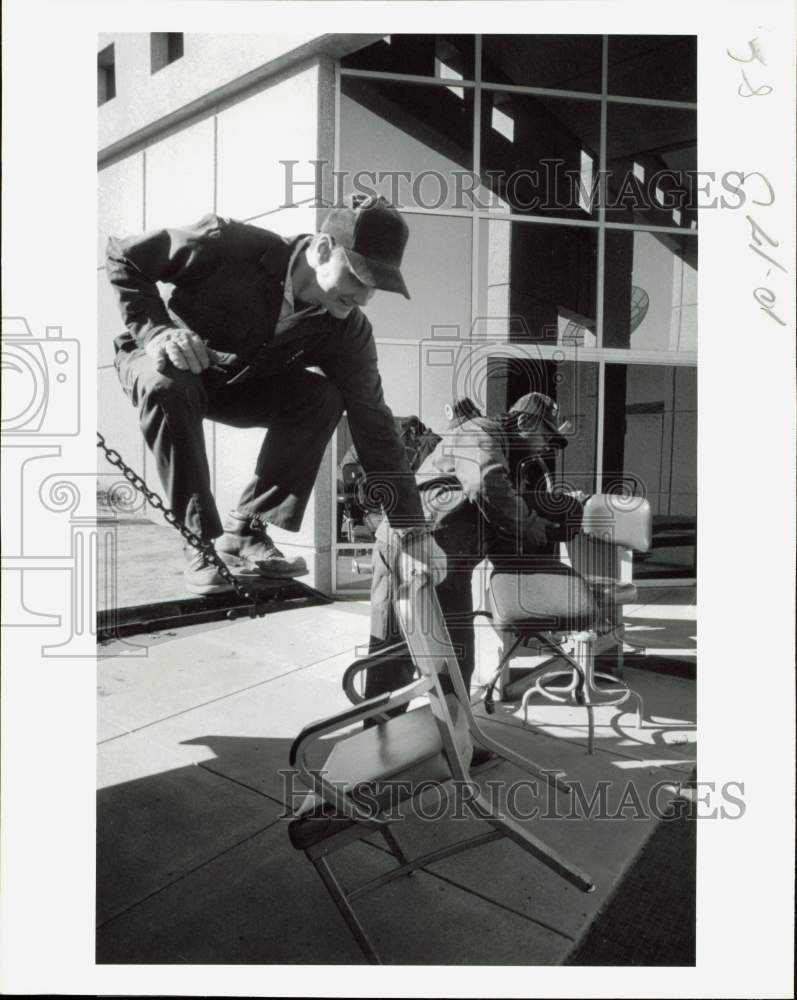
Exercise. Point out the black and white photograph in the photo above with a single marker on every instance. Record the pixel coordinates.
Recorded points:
(378, 502)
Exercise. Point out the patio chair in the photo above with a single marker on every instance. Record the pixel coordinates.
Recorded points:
(367, 772)
(571, 609)
(357, 524)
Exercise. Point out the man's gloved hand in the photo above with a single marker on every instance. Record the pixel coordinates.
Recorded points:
(183, 348)
(412, 551)
(537, 532)
(568, 514)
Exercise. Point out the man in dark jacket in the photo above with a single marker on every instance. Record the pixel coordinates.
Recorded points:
(479, 488)
(248, 314)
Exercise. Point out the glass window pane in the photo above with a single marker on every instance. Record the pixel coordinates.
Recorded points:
(408, 142)
(654, 66)
(353, 569)
(559, 62)
(574, 386)
(650, 291)
(537, 283)
(650, 449)
(539, 155)
(436, 267)
(651, 159)
(441, 56)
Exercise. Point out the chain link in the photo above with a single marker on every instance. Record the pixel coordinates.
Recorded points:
(156, 501)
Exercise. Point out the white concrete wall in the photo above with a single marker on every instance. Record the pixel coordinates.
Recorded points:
(208, 61)
(120, 209)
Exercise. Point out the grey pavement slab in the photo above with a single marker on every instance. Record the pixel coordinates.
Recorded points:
(153, 830)
(603, 846)
(149, 561)
(666, 594)
(263, 903)
(245, 736)
(182, 672)
(662, 630)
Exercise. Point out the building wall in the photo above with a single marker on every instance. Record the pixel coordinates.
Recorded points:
(208, 62)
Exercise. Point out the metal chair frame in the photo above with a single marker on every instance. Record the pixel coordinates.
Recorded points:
(426, 635)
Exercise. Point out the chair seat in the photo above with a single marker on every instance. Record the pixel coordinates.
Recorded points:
(405, 751)
(361, 533)
(551, 598)
(610, 591)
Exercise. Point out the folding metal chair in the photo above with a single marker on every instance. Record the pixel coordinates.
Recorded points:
(368, 771)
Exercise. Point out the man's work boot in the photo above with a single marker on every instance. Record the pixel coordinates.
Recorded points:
(246, 537)
(200, 575)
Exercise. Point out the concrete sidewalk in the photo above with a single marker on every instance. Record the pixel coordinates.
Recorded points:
(194, 863)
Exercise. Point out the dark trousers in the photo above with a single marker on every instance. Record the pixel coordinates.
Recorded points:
(300, 410)
(462, 538)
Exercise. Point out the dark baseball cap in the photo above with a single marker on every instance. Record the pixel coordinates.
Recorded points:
(374, 236)
(542, 406)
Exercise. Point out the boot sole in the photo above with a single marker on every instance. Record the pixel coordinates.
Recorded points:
(262, 568)
(268, 573)
(203, 591)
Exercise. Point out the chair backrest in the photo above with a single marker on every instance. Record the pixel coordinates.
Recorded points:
(618, 520)
(423, 626)
(350, 474)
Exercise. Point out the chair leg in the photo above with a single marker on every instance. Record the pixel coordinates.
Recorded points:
(335, 890)
(620, 654)
(515, 832)
(394, 846)
(582, 687)
(590, 729)
(616, 633)
(555, 694)
(585, 655)
(499, 679)
(639, 708)
(503, 667)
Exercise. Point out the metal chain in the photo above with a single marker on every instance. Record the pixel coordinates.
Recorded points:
(156, 500)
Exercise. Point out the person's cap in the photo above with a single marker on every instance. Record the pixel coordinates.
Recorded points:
(461, 410)
(539, 405)
(374, 236)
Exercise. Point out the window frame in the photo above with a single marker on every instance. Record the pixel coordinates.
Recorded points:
(599, 221)
(106, 64)
(160, 49)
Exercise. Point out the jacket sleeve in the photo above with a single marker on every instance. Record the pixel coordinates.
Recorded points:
(135, 264)
(480, 465)
(351, 363)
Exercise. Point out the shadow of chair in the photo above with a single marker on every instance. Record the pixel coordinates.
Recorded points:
(367, 771)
